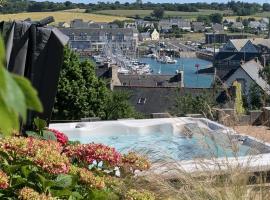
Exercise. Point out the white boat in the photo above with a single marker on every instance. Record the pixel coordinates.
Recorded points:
(167, 60)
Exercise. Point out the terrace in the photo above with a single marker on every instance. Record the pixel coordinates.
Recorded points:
(144, 159)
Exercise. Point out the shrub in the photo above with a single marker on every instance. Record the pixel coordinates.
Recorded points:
(61, 137)
(34, 168)
(90, 153)
(132, 162)
(139, 195)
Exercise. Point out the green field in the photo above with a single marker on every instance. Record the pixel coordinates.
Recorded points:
(143, 13)
(62, 16)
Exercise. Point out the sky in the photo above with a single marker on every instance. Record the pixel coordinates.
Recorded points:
(161, 1)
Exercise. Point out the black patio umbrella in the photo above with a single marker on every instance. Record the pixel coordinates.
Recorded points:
(35, 51)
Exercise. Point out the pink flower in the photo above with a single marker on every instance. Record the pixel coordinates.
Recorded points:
(88, 153)
(3, 180)
(46, 154)
(61, 137)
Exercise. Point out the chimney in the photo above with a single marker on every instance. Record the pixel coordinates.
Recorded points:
(180, 77)
(114, 76)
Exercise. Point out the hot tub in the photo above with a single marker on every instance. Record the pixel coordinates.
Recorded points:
(179, 142)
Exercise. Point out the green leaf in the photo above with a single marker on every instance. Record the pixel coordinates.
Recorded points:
(31, 97)
(75, 196)
(61, 193)
(48, 135)
(40, 123)
(64, 181)
(8, 120)
(2, 50)
(26, 171)
(33, 134)
(11, 94)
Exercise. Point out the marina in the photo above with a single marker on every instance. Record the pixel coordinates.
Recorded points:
(165, 65)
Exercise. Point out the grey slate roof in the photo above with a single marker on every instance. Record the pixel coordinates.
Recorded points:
(149, 80)
(94, 31)
(252, 68)
(239, 43)
(158, 99)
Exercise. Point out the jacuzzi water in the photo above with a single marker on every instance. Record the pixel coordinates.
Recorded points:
(157, 145)
(160, 140)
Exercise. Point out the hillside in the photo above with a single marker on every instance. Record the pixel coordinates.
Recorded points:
(61, 16)
(143, 13)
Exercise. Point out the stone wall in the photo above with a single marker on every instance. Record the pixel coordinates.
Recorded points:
(228, 117)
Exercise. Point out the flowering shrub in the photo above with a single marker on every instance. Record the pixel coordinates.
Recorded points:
(30, 194)
(45, 154)
(133, 161)
(88, 178)
(3, 180)
(61, 137)
(139, 195)
(88, 153)
(46, 167)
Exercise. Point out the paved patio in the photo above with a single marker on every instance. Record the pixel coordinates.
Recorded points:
(259, 132)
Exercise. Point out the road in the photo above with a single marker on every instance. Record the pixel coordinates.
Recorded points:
(178, 45)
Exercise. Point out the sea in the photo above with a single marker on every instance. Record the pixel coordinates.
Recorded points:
(189, 66)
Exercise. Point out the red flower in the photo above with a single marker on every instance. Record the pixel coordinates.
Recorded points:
(88, 153)
(61, 137)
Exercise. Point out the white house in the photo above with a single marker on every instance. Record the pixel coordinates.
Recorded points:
(248, 74)
(155, 35)
(237, 26)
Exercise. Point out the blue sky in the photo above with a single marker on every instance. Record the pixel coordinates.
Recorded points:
(161, 1)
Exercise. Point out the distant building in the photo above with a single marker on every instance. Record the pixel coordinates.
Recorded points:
(265, 20)
(222, 37)
(155, 35)
(145, 37)
(236, 52)
(218, 28)
(99, 25)
(256, 25)
(152, 80)
(63, 25)
(197, 26)
(243, 45)
(79, 23)
(130, 25)
(237, 26)
(97, 39)
(143, 23)
(167, 24)
(248, 74)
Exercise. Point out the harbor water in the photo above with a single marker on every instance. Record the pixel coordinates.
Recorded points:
(188, 65)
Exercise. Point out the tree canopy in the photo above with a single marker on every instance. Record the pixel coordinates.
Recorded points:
(82, 94)
(158, 13)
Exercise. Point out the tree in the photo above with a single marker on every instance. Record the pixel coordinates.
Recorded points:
(80, 92)
(216, 18)
(245, 22)
(118, 106)
(266, 7)
(238, 98)
(158, 13)
(203, 18)
(188, 104)
(255, 96)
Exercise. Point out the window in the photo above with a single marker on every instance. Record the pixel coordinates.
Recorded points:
(141, 100)
(124, 83)
(159, 83)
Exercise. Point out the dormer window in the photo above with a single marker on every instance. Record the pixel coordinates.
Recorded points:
(159, 83)
(142, 100)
